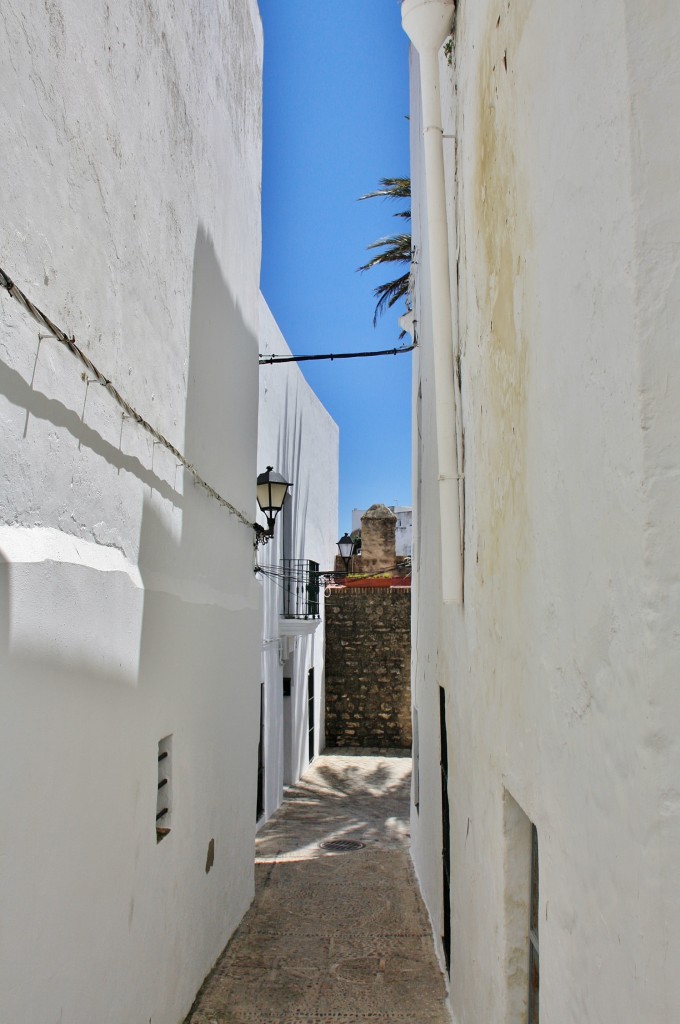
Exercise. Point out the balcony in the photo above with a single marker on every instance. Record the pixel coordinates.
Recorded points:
(301, 583)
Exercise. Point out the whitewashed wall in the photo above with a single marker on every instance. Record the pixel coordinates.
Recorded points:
(561, 668)
(300, 440)
(131, 144)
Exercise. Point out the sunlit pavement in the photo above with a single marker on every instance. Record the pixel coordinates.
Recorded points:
(332, 937)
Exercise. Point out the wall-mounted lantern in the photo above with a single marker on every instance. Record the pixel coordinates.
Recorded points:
(346, 549)
(271, 494)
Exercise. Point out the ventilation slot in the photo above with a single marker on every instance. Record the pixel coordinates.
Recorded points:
(164, 797)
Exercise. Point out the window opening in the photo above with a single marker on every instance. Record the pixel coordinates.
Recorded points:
(260, 760)
(289, 721)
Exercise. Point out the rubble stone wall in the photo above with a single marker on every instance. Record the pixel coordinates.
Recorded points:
(368, 666)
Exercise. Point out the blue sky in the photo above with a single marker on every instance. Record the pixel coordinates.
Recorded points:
(335, 122)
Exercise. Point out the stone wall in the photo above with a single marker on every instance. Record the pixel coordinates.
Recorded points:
(368, 666)
(378, 551)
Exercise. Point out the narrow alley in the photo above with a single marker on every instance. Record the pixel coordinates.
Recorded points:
(284, 470)
(337, 936)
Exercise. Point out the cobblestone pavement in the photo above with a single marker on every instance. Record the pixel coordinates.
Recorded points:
(333, 938)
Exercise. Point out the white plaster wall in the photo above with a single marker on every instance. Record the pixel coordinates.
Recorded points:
(430, 651)
(559, 667)
(300, 440)
(128, 610)
(404, 533)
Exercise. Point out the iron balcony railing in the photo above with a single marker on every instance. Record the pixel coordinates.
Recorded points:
(301, 582)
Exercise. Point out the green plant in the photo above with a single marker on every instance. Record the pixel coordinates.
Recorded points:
(395, 248)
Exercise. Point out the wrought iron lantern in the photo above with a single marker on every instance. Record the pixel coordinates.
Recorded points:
(346, 549)
(271, 494)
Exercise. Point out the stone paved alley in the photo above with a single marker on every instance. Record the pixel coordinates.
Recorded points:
(332, 937)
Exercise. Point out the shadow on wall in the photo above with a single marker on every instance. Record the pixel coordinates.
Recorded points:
(220, 399)
(289, 454)
(220, 441)
(21, 393)
(290, 533)
(199, 637)
(197, 628)
(199, 583)
(289, 542)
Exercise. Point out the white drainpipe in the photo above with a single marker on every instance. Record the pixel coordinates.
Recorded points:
(427, 23)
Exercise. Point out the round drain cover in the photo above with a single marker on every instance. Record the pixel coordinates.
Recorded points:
(342, 845)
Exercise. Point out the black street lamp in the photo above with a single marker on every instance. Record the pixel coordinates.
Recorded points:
(271, 494)
(346, 548)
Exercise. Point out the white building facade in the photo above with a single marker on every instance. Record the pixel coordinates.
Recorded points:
(130, 616)
(546, 219)
(300, 440)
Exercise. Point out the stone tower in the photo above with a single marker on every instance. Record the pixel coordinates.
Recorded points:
(378, 547)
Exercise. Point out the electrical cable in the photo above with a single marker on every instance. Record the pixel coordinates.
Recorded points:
(43, 320)
(267, 360)
(275, 572)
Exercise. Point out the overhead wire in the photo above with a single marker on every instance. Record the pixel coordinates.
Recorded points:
(266, 360)
(277, 572)
(70, 343)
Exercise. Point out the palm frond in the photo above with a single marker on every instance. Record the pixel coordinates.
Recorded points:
(391, 188)
(394, 248)
(389, 293)
(397, 249)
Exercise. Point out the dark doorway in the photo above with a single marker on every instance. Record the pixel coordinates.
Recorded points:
(288, 718)
(310, 712)
(260, 760)
(533, 931)
(446, 828)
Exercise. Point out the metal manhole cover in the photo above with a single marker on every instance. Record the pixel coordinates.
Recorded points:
(342, 845)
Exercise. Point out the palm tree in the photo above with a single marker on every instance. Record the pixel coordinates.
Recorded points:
(395, 248)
